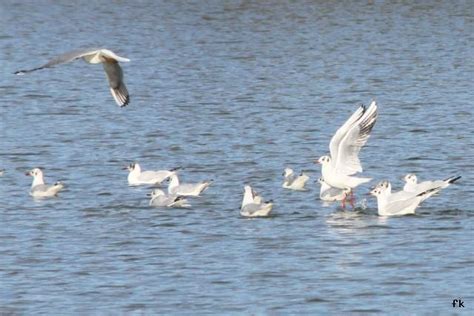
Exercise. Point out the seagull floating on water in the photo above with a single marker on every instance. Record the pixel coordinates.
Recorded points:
(412, 185)
(160, 199)
(338, 168)
(110, 62)
(252, 204)
(294, 182)
(39, 188)
(330, 194)
(139, 177)
(185, 189)
(398, 203)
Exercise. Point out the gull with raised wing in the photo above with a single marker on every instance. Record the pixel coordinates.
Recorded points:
(292, 181)
(110, 62)
(138, 177)
(412, 184)
(329, 194)
(252, 204)
(39, 188)
(185, 189)
(398, 203)
(338, 168)
(160, 199)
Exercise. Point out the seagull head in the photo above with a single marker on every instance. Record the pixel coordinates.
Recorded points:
(249, 191)
(287, 172)
(35, 172)
(410, 178)
(133, 166)
(155, 192)
(376, 191)
(321, 180)
(381, 188)
(323, 160)
(172, 175)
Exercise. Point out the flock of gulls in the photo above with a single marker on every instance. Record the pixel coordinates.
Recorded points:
(338, 170)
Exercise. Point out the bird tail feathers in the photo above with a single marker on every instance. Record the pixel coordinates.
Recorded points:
(452, 179)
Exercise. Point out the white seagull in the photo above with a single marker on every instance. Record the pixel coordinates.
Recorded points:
(110, 62)
(39, 188)
(138, 177)
(252, 204)
(412, 185)
(186, 189)
(294, 182)
(160, 199)
(330, 194)
(398, 203)
(345, 145)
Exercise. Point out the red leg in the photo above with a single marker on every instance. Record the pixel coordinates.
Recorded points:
(352, 199)
(343, 202)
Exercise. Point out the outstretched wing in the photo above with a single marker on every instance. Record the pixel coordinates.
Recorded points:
(342, 131)
(346, 160)
(117, 86)
(62, 59)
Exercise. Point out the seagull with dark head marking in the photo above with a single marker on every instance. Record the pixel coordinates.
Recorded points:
(412, 184)
(329, 194)
(294, 182)
(339, 168)
(253, 204)
(138, 177)
(110, 62)
(39, 188)
(398, 203)
(160, 199)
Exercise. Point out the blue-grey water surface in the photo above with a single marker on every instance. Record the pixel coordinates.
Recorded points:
(234, 91)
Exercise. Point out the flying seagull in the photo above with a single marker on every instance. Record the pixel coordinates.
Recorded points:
(109, 60)
(338, 168)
